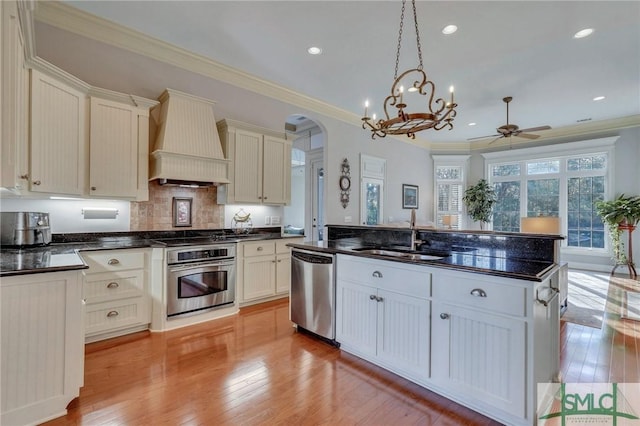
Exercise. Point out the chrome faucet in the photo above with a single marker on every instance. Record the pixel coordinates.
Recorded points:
(412, 222)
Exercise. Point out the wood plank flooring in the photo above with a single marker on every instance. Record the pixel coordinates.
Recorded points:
(255, 369)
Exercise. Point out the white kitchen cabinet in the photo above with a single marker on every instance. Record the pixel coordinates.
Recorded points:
(260, 169)
(116, 292)
(42, 346)
(480, 355)
(118, 140)
(383, 314)
(14, 97)
(58, 136)
(264, 270)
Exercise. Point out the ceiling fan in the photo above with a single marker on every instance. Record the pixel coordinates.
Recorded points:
(508, 130)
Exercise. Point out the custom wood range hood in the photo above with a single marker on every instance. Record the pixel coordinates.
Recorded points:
(187, 149)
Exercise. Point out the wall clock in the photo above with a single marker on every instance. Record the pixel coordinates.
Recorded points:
(345, 183)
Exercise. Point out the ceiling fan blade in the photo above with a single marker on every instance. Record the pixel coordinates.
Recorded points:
(536, 129)
(483, 137)
(500, 137)
(527, 136)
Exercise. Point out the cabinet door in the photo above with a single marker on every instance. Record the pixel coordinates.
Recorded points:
(357, 318)
(283, 273)
(403, 336)
(248, 167)
(481, 356)
(14, 92)
(276, 178)
(259, 277)
(57, 136)
(113, 149)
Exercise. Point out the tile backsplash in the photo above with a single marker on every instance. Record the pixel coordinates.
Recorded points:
(157, 213)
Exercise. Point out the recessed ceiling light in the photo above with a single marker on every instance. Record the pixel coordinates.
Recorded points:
(472, 124)
(583, 33)
(598, 98)
(313, 50)
(449, 29)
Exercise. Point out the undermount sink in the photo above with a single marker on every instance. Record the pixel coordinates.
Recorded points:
(400, 254)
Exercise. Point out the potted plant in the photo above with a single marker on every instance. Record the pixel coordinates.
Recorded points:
(621, 213)
(479, 200)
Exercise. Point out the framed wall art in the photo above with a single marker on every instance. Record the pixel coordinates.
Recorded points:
(409, 196)
(182, 211)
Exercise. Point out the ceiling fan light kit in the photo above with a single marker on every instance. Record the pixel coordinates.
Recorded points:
(440, 113)
(508, 130)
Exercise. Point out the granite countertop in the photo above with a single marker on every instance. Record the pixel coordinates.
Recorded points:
(480, 261)
(63, 255)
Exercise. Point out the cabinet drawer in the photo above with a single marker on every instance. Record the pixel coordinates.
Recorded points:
(113, 286)
(102, 317)
(398, 277)
(481, 294)
(113, 260)
(281, 245)
(259, 248)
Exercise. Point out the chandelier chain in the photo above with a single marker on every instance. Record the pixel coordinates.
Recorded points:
(415, 19)
(395, 75)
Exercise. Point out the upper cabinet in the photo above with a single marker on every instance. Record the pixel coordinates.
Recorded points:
(260, 169)
(58, 136)
(14, 98)
(118, 149)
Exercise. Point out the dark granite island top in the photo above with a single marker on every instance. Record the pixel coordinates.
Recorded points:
(481, 252)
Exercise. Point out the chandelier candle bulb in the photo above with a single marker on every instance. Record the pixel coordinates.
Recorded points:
(451, 91)
(366, 106)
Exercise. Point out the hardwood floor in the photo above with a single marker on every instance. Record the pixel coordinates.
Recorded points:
(255, 369)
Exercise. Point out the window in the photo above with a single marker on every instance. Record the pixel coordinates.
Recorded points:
(564, 182)
(372, 176)
(450, 177)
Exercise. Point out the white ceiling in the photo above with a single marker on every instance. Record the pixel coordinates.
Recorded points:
(517, 48)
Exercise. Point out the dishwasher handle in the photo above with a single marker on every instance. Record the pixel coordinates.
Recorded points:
(311, 258)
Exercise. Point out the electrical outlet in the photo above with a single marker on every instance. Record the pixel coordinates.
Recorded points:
(267, 220)
(347, 219)
(275, 220)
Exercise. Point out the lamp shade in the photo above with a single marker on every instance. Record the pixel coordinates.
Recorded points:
(540, 225)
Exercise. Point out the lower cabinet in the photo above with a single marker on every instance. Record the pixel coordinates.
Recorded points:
(480, 356)
(383, 314)
(264, 270)
(116, 293)
(42, 350)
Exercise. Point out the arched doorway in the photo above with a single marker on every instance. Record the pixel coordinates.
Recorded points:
(307, 178)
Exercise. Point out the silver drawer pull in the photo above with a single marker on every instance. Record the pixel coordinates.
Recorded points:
(377, 274)
(113, 284)
(478, 292)
(260, 248)
(372, 297)
(113, 262)
(112, 314)
(444, 316)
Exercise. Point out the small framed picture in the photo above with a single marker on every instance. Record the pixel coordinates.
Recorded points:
(182, 211)
(409, 196)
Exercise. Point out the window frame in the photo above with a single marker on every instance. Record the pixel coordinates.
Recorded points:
(461, 161)
(563, 152)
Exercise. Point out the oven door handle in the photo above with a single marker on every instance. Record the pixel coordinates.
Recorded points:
(186, 266)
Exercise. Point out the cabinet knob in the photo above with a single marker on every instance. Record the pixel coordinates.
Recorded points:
(112, 314)
(93, 188)
(444, 316)
(478, 292)
(279, 260)
(25, 177)
(259, 198)
(113, 284)
(372, 297)
(377, 274)
(379, 299)
(113, 262)
(36, 182)
(260, 248)
(264, 198)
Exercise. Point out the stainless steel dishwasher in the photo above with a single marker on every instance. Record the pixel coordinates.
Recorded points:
(313, 291)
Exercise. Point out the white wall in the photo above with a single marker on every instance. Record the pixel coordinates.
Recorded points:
(65, 216)
(294, 213)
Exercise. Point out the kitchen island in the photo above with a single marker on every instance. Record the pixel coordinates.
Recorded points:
(444, 311)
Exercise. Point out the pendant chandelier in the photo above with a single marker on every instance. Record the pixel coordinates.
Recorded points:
(438, 115)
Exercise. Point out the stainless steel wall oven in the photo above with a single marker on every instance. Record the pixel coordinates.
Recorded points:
(200, 278)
